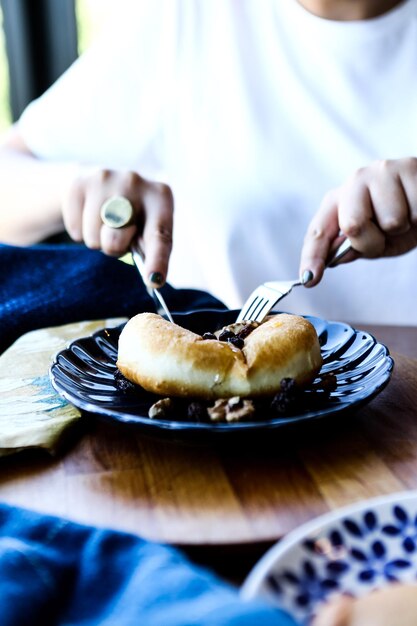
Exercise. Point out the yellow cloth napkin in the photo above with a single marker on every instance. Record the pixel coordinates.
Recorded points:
(32, 414)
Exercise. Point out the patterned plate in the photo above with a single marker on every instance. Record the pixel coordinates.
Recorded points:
(84, 374)
(353, 550)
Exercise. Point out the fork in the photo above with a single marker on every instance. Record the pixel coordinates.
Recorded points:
(266, 296)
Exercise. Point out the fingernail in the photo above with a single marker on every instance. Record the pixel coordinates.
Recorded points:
(156, 279)
(307, 277)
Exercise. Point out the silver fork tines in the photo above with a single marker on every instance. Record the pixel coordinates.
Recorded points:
(264, 298)
(267, 295)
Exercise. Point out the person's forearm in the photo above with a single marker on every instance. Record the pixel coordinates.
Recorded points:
(42, 198)
(30, 196)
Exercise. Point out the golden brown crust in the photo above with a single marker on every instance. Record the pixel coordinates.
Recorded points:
(169, 360)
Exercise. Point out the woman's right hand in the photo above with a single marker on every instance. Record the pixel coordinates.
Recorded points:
(152, 225)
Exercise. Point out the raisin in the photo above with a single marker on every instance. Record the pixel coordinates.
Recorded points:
(289, 387)
(236, 341)
(122, 384)
(196, 411)
(246, 331)
(328, 383)
(282, 403)
(209, 336)
(225, 335)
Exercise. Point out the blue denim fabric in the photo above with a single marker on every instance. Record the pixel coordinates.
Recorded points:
(49, 285)
(57, 572)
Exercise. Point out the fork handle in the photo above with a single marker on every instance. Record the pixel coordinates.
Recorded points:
(341, 251)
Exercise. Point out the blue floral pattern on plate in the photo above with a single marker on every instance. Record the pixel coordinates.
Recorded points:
(353, 551)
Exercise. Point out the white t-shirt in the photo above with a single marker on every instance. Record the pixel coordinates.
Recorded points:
(251, 110)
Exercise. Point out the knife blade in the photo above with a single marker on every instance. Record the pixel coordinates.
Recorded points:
(161, 306)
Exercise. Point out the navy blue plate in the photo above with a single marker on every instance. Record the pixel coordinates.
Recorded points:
(83, 373)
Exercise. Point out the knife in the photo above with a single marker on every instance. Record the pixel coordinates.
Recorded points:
(161, 306)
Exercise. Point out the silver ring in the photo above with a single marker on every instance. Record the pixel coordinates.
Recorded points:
(117, 212)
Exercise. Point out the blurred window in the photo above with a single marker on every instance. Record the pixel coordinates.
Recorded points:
(41, 42)
(36, 53)
(92, 15)
(5, 113)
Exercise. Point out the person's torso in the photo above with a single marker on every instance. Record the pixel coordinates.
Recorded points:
(273, 107)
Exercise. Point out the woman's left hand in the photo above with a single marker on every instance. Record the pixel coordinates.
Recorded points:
(376, 208)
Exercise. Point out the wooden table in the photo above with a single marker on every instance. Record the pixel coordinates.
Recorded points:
(233, 500)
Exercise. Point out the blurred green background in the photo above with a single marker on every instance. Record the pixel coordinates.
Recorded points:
(91, 17)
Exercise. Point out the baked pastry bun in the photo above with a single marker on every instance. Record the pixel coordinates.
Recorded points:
(393, 605)
(169, 360)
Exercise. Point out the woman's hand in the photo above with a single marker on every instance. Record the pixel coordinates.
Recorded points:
(152, 224)
(376, 208)
(396, 603)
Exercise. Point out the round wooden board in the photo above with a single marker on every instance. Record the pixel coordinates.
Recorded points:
(227, 494)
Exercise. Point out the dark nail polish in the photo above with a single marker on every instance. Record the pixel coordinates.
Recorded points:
(156, 279)
(307, 277)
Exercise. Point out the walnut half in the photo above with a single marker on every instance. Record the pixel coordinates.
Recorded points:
(231, 410)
